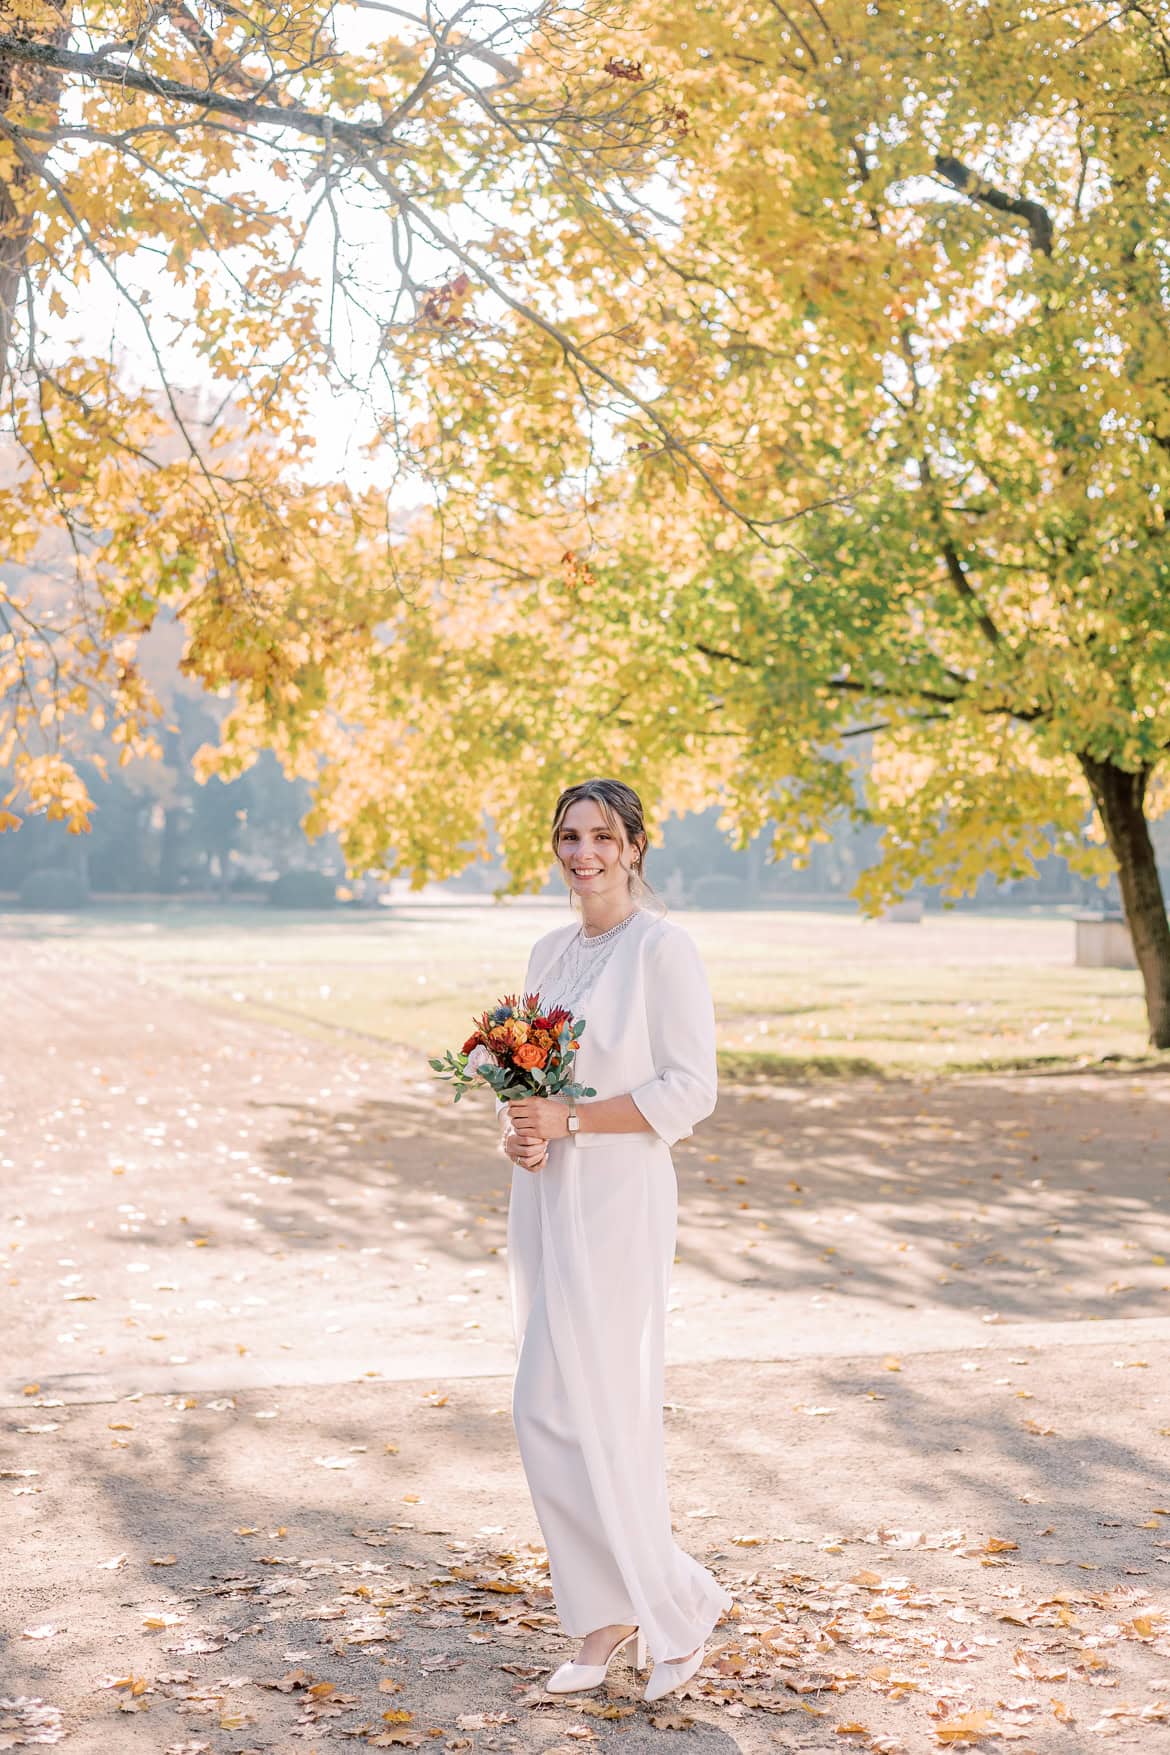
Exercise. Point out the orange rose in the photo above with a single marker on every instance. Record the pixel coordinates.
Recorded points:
(528, 1055)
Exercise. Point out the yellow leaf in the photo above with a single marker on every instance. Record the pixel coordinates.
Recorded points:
(971, 1726)
(1147, 1626)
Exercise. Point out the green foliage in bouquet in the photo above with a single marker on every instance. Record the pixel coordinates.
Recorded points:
(519, 1050)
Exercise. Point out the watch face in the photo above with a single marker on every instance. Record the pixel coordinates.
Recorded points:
(574, 1123)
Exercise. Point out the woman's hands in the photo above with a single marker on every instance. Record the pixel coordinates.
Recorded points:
(541, 1118)
(534, 1121)
(529, 1154)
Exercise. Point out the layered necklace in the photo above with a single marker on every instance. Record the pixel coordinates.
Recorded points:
(578, 968)
(600, 938)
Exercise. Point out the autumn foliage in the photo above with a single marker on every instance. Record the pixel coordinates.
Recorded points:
(750, 389)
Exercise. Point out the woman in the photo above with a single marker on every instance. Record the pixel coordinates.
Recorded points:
(591, 1229)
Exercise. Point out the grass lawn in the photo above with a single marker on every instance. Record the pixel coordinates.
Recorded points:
(794, 991)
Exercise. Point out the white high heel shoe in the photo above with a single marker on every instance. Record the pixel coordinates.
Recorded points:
(576, 1678)
(665, 1678)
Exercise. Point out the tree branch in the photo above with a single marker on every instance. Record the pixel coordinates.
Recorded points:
(731, 657)
(105, 71)
(878, 692)
(957, 574)
(969, 183)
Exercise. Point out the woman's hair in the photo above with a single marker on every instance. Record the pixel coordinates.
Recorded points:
(620, 805)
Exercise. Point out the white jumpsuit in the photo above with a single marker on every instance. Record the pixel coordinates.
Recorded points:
(590, 1245)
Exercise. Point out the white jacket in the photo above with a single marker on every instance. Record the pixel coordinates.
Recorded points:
(649, 1027)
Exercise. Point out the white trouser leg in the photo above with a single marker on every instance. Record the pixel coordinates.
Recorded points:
(590, 1242)
(586, 1581)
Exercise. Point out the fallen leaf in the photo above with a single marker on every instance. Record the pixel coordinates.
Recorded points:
(286, 1683)
(969, 1728)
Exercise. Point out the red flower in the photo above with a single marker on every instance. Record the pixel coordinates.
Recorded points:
(475, 1041)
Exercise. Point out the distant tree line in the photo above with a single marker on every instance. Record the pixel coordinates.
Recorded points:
(156, 831)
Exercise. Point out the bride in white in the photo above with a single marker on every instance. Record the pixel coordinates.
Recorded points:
(591, 1233)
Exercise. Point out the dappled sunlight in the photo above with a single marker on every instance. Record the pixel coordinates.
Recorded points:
(259, 1276)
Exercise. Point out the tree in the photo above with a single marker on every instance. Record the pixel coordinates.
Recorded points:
(903, 294)
(272, 204)
(785, 373)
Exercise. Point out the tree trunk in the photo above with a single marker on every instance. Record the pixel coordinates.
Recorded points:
(170, 852)
(27, 91)
(1120, 799)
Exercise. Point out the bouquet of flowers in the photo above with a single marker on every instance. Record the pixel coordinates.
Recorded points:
(521, 1050)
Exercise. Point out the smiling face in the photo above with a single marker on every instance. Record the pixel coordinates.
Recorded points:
(595, 854)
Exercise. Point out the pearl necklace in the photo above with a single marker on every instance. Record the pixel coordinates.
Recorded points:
(601, 938)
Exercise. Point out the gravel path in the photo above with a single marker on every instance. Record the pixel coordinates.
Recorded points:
(260, 1482)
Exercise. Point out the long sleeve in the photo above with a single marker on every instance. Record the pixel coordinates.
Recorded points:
(681, 1017)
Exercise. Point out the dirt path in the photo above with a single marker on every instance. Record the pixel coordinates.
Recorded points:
(258, 1284)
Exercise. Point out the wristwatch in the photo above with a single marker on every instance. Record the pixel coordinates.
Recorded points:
(574, 1122)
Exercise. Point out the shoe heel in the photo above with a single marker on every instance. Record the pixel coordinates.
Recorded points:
(641, 1655)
